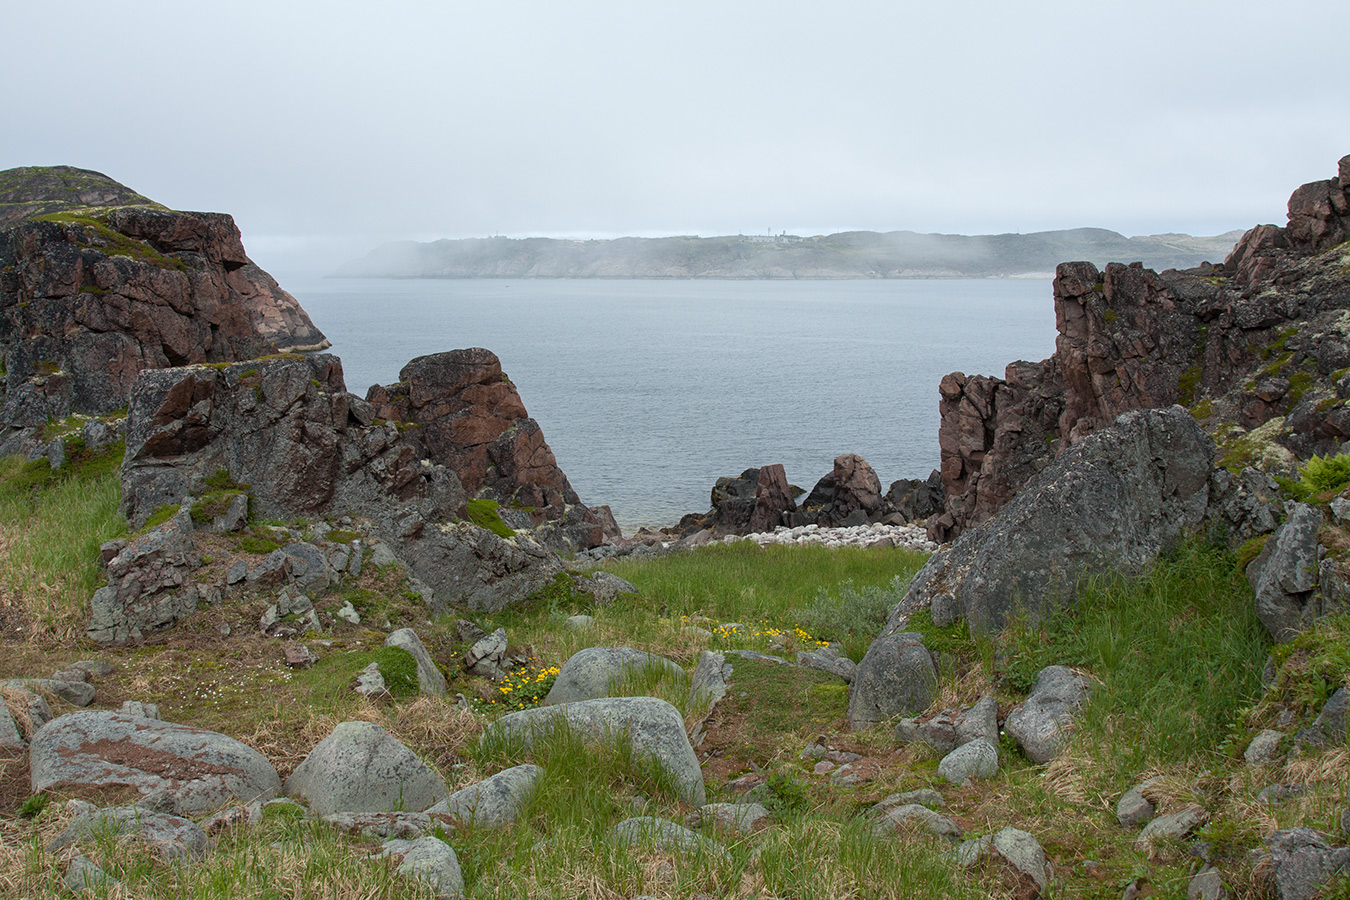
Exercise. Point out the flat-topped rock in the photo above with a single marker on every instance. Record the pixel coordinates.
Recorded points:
(596, 671)
(202, 770)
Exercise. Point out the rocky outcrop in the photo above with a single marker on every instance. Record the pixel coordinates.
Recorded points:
(106, 285)
(469, 418)
(287, 428)
(1111, 502)
(1257, 338)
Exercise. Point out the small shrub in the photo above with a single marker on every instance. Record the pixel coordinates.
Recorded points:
(484, 513)
(785, 794)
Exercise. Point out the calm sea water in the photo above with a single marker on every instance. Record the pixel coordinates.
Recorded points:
(648, 391)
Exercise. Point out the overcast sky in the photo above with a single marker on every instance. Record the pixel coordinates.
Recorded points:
(326, 128)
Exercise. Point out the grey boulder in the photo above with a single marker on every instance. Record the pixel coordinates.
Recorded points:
(1284, 576)
(896, 676)
(973, 759)
(597, 671)
(170, 837)
(654, 728)
(494, 802)
(1134, 808)
(430, 861)
(1173, 825)
(912, 814)
(1112, 501)
(742, 817)
(663, 834)
(1018, 851)
(1301, 863)
(360, 767)
(1040, 723)
(202, 770)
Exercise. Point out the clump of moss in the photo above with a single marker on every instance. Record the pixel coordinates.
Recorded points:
(485, 514)
(339, 536)
(398, 667)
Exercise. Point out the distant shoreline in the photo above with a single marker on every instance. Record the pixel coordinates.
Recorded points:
(848, 256)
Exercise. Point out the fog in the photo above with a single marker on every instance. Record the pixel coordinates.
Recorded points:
(327, 129)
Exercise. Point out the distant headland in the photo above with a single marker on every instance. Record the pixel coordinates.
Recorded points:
(851, 254)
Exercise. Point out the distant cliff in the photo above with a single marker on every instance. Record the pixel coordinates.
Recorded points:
(98, 283)
(855, 254)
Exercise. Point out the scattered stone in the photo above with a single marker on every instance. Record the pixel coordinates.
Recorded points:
(597, 671)
(348, 614)
(1018, 851)
(1264, 748)
(1207, 885)
(896, 676)
(360, 767)
(202, 769)
(486, 656)
(76, 693)
(1039, 724)
(579, 623)
(10, 736)
(430, 861)
(1301, 863)
(1280, 793)
(1284, 575)
(1329, 728)
(824, 767)
(1173, 825)
(236, 573)
(1134, 809)
(269, 619)
(429, 678)
(170, 837)
(741, 817)
(605, 587)
(973, 759)
(923, 797)
(149, 583)
(141, 709)
(664, 835)
(370, 682)
(494, 802)
(844, 667)
(980, 722)
(383, 825)
(83, 875)
(914, 814)
(298, 656)
(94, 668)
(654, 728)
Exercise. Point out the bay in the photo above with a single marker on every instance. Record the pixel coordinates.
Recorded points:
(648, 391)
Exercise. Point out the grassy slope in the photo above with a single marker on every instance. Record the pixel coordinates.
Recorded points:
(1176, 653)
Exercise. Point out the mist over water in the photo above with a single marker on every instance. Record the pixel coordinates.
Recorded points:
(648, 391)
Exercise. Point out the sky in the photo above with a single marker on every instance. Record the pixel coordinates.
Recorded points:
(328, 128)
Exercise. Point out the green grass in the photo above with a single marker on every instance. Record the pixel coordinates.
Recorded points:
(56, 521)
(1177, 654)
(744, 582)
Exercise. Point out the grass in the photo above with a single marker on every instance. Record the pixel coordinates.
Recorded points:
(51, 526)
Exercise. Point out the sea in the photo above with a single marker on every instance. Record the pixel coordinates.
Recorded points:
(648, 391)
